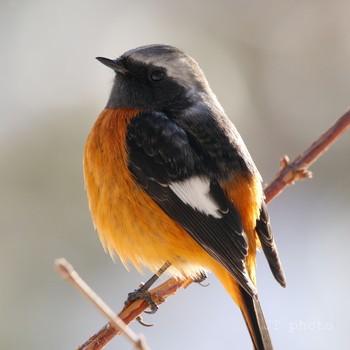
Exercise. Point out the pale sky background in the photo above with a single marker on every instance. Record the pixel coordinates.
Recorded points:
(281, 69)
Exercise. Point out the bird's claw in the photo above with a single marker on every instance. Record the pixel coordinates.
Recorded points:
(141, 293)
(200, 279)
(140, 321)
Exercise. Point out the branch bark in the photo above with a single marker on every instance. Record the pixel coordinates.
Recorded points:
(298, 169)
(287, 175)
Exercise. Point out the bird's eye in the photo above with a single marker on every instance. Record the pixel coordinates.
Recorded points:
(157, 75)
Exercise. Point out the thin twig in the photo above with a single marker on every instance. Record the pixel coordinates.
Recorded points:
(288, 174)
(69, 274)
(298, 169)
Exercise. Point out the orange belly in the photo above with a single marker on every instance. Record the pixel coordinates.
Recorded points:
(129, 223)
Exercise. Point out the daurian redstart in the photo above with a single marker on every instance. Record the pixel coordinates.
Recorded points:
(169, 179)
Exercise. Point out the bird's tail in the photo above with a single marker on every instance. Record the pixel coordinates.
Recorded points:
(251, 311)
(254, 318)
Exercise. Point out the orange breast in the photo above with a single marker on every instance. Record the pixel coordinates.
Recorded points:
(131, 224)
(128, 221)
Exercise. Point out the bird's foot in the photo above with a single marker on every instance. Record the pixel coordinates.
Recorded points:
(142, 293)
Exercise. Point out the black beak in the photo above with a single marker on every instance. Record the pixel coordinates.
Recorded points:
(116, 65)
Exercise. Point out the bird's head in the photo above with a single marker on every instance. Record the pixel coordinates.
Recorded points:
(158, 78)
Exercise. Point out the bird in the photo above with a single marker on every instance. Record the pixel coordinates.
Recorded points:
(170, 180)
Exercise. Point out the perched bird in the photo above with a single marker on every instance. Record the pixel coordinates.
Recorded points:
(169, 179)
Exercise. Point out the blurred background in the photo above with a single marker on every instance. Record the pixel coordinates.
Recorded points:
(281, 71)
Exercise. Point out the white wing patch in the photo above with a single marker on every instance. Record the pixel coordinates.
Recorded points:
(195, 192)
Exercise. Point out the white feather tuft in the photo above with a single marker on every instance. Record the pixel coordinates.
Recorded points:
(195, 192)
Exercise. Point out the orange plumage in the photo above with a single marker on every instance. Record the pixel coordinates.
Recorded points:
(133, 226)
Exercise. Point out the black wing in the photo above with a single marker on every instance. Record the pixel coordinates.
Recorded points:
(165, 165)
(263, 229)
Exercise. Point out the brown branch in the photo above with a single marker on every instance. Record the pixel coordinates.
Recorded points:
(298, 169)
(288, 174)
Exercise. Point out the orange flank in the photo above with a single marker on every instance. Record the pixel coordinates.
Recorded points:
(246, 194)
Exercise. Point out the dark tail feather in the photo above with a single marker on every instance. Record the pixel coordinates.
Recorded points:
(255, 321)
(264, 232)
